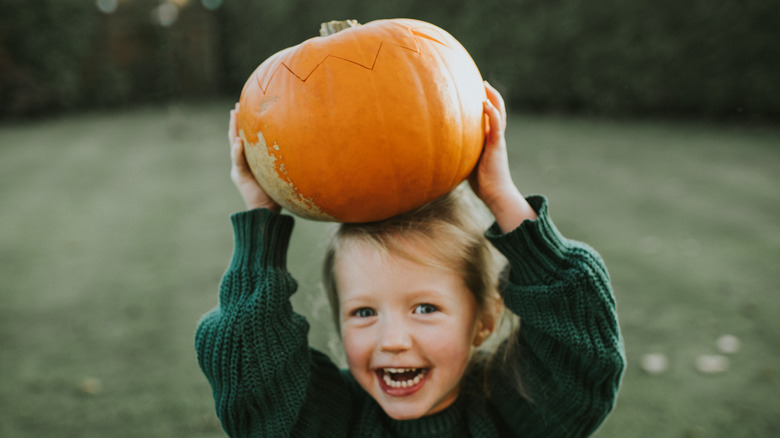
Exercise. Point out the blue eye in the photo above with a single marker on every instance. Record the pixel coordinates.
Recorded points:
(364, 312)
(425, 308)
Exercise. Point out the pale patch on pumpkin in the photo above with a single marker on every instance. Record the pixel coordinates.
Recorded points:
(267, 102)
(280, 188)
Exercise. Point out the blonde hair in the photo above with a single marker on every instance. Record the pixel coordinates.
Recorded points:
(450, 229)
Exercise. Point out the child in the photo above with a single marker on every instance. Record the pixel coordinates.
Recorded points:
(413, 297)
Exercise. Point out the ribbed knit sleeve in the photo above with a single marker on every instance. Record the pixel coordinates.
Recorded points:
(571, 355)
(252, 347)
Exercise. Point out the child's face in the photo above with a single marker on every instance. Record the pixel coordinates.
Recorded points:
(408, 329)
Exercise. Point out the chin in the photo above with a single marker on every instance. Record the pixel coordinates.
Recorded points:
(403, 414)
(407, 410)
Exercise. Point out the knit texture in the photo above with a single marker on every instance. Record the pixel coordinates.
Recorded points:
(267, 381)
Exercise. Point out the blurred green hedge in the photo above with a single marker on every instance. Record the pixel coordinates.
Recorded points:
(59, 55)
(659, 57)
(40, 55)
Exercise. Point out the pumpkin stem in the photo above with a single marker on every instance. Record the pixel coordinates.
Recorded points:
(331, 27)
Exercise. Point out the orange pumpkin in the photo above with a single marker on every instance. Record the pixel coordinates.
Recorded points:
(366, 123)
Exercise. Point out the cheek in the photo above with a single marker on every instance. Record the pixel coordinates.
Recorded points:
(356, 348)
(453, 345)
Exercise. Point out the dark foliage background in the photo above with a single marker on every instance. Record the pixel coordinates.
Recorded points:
(615, 58)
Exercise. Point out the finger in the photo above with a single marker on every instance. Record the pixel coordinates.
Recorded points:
(236, 150)
(234, 146)
(239, 169)
(239, 158)
(494, 121)
(232, 127)
(495, 98)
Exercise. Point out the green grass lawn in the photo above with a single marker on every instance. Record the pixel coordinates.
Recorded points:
(114, 233)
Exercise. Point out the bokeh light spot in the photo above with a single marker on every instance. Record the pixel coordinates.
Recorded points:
(211, 4)
(107, 6)
(166, 14)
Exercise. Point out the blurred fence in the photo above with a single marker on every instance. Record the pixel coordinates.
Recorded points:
(689, 57)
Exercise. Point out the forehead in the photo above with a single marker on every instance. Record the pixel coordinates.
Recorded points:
(364, 270)
(414, 246)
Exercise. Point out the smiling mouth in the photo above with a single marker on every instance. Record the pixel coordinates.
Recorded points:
(402, 377)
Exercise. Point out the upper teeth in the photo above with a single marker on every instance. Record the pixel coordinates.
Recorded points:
(405, 383)
(399, 370)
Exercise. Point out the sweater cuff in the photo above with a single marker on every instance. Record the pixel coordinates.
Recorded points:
(260, 237)
(536, 248)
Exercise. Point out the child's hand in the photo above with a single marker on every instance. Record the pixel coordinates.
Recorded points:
(491, 180)
(254, 195)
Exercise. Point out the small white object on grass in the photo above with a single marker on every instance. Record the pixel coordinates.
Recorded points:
(728, 344)
(712, 363)
(90, 386)
(655, 363)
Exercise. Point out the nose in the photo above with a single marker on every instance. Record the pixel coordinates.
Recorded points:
(394, 336)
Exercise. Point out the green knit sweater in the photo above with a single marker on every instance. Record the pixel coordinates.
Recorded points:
(268, 382)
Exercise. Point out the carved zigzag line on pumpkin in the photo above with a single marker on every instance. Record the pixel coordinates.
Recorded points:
(412, 31)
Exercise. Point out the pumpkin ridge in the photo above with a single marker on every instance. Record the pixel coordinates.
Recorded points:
(373, 63)
(296, 75)
(329, 56)
(413, 32)
(267, 78)
(268, 82)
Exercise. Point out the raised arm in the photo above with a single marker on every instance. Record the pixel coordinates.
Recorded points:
(491, 180)
(571, 354)
(252, 347)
